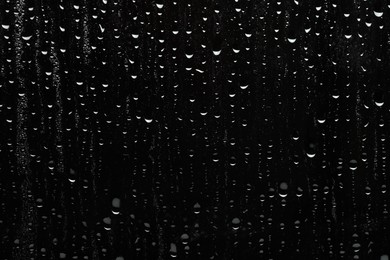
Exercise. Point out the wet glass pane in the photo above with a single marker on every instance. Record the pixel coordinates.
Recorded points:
(194, 129)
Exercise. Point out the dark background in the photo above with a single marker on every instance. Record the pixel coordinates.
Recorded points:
(227, 129)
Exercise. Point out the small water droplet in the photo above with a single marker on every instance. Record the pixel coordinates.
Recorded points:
(197, 208)
(378, 14)
(173, 250)
(236, 223)
(353, 164)
(115, 206)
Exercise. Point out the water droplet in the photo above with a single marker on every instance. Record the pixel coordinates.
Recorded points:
(356, 247)
(185, 238)
(148, 120)
(353, 164)
(283, 189)
(291, 40)
(236, 223)
(107, 223)
(115, 206)
(197, 208)
(173, 250)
